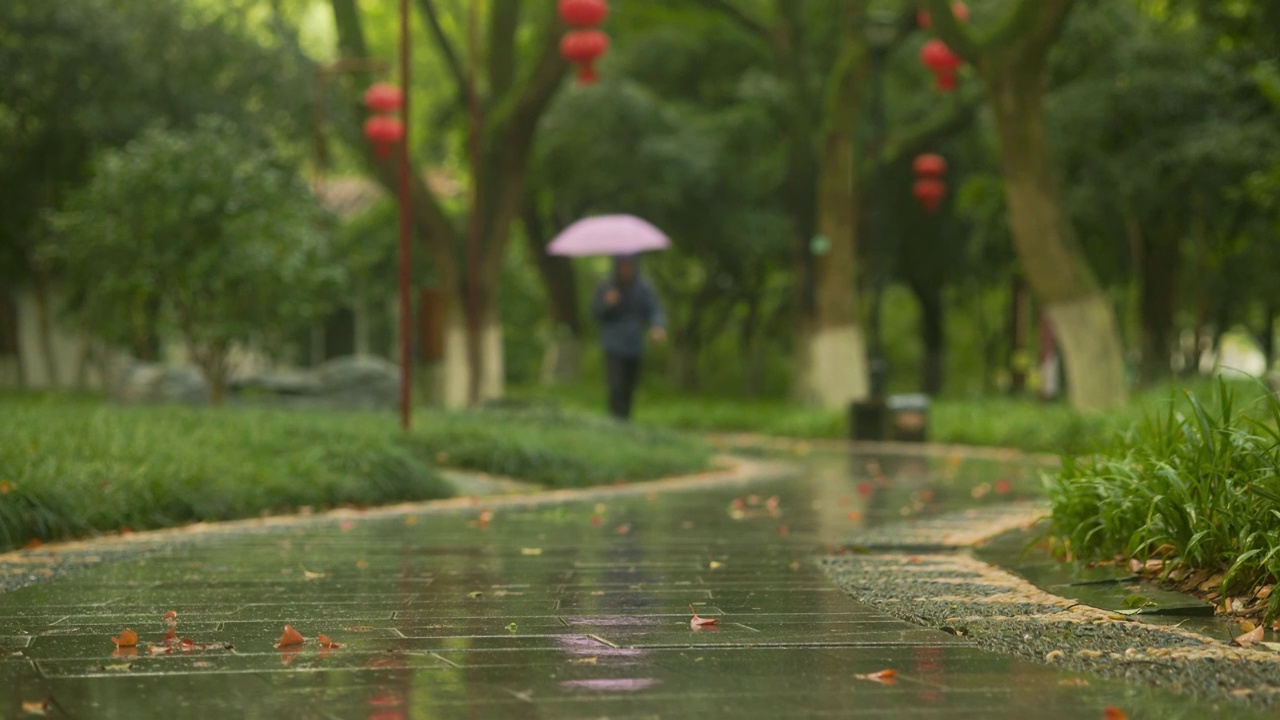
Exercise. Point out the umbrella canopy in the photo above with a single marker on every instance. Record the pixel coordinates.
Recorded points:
(608, 235)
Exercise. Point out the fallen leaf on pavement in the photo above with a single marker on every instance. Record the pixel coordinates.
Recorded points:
(325, 642)
(290, 637)
(1112, 712)
(37, 707)
(697, 623)
(884, 677)
(128, 638)
(1249, 638)
(289, 653)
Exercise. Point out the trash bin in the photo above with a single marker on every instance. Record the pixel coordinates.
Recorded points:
(908, 417)
(867, 419)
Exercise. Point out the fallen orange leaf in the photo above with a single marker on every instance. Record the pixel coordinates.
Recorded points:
(697, 623)
(1249, 638)
(884, 677)
(1111, 712)
(325, 642)
(290, 637)
(128, 638)
(37, 707)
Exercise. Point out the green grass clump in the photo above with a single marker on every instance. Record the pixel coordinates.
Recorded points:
(75, 467)
(1202, 480)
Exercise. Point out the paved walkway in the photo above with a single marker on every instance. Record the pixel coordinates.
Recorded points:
(573, 610)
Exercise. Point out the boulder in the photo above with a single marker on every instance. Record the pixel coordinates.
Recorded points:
(145, 383)
(359, 382)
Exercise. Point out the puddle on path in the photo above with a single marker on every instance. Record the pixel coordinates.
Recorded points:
(573, 611)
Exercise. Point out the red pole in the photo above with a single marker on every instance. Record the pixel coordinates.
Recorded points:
(406, 257)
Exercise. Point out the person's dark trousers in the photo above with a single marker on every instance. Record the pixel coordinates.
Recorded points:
(621, 372)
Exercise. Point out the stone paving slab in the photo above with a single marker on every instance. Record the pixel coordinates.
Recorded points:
(538, 611)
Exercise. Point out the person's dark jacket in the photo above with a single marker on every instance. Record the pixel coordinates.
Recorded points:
(623, 325)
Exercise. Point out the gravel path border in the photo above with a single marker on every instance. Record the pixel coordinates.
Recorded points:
(952, 591)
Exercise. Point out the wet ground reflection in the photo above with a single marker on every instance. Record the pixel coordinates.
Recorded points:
(568, 611)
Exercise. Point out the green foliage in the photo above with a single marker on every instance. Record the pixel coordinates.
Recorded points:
(214, 231)
(1203, 480)
(92, 74)
(74, 467)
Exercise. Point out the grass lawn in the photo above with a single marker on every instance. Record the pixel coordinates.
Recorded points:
(75, 467)
(996, 422)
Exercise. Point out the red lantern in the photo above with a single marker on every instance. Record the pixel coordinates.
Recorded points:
(942, 63)
(383, 132)
(960, 10)
(930, 193)
(584, 47)
(930, 166)
(583, 13)
(384, 97)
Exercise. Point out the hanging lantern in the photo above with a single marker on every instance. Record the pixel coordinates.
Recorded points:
(960, 10)
(930, 166)
(583, 48)
(943, 63)
(930, 193)
(384, 98)
(383, 132)
(583, 13)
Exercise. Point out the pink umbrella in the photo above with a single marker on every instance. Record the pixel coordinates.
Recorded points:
(608, 235)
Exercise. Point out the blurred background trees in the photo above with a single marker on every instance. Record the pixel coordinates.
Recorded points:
(1136, 142)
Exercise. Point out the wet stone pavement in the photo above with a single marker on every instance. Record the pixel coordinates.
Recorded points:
(511, 610)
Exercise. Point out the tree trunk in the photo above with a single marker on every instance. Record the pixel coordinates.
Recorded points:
(1158, 260)
(562, 361)
(1047, 248)
(1269, 335)
(212, 359)
(836, 364)
(933, 338)
(456, 370)
(44, 323)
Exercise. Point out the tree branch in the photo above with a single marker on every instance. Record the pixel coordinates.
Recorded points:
(503, 20)
(520, 111)
(956, 36)
(1031, 24)
(429, 217)
(445, 48)
(949, 121)
(737, 15)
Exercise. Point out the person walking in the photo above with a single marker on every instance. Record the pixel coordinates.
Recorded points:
(626, 306)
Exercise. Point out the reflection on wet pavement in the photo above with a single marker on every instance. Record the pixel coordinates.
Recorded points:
(578, 610)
